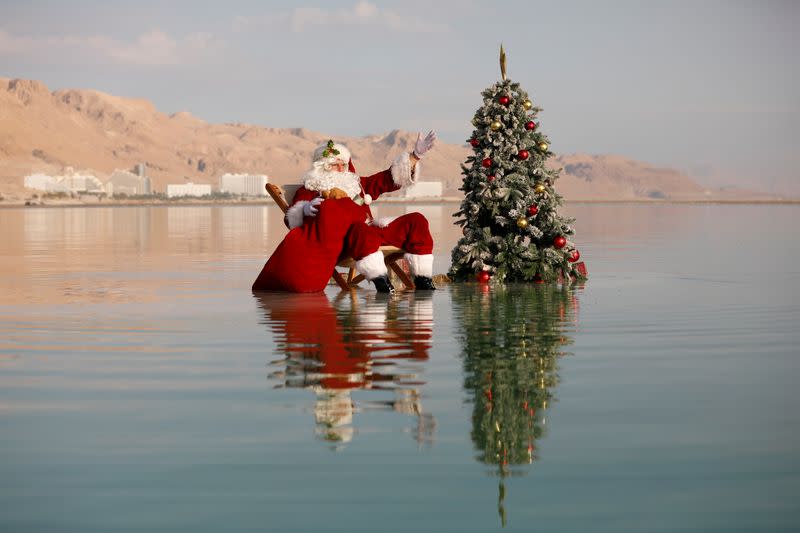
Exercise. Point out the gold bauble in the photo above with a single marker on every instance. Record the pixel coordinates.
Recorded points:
(522, 222)
(527, 104)
(543, 146)
(496, 125)
(539, 188)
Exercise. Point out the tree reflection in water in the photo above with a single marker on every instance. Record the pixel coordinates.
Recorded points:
(511, 340)
(354, 342)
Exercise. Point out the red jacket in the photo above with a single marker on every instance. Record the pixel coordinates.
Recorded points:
(305, 259)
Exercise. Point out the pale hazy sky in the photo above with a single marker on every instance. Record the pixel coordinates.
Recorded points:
(710, 88)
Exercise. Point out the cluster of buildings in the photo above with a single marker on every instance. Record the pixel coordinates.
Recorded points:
(137, 183)
(236, 184)
(120, 182)
(71, 182)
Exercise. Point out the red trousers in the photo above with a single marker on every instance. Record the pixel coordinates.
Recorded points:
(409, 232)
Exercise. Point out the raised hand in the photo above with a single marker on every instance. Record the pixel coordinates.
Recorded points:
(424, 145)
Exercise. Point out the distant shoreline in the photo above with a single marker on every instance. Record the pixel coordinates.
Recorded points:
(387, 201)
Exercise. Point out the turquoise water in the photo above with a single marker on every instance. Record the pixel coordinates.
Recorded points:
(143, 387)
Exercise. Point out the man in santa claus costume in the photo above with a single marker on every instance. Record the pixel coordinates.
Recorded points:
(330, 219)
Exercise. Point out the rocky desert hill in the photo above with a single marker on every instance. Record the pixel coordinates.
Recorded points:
(44, 131)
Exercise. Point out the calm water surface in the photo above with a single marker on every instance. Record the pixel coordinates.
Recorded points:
(144, 388)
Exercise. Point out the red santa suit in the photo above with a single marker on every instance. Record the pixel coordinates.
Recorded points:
(305, 259)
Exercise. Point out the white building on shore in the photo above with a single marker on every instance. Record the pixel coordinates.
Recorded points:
(175, 190)
(124, 182)
(44, 182)
(68, 183)
(83, 183)
(244, 184)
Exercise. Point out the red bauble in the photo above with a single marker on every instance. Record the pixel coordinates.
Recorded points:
(538, 279)
(504, 100)
(482, 276)
(490, 177)
(530, 125)
(559, 242)
(487, 162)
(523, 154)
(474, 142)
(532, 210)
(574, 257)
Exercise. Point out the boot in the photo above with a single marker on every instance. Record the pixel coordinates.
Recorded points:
(382, 284)
(423, 283)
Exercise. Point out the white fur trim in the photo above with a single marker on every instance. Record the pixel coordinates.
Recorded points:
(383, 222)
(402, 172)
(420, 265)
(294, 215)
(372, 265)
(318, 179)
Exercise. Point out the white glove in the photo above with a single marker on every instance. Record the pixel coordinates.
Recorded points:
(310, 209)
(423, 145)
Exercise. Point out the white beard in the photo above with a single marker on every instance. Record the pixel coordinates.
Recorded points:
(318, 179)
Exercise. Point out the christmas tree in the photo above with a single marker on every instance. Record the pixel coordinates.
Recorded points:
(511, 341)
(511, 227)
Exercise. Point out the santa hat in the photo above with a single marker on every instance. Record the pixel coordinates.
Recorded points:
(331, 151)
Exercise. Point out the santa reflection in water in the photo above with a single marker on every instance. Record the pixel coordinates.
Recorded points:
(353, 342)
